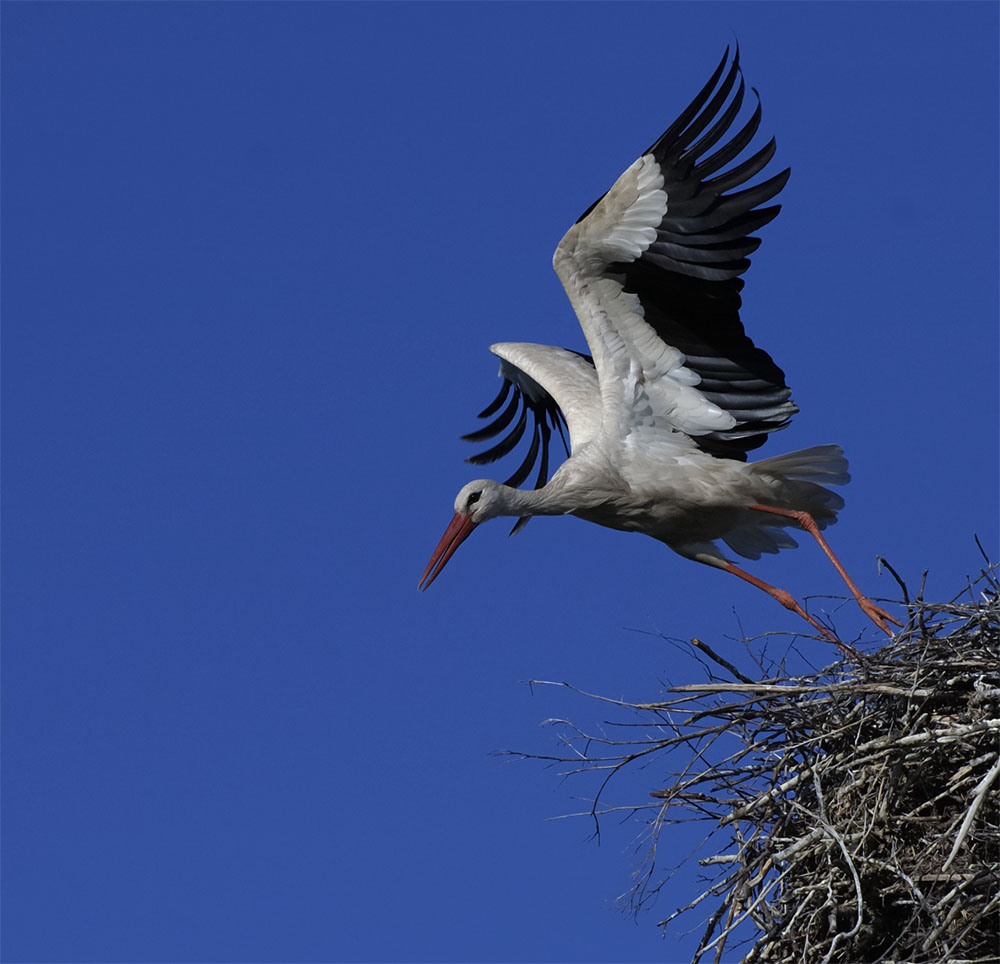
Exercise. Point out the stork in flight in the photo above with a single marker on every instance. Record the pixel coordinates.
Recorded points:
(661, 417)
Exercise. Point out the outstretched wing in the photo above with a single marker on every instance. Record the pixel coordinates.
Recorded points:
(557, 387)
(653, 271)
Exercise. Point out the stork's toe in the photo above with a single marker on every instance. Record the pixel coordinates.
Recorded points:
(878, 615)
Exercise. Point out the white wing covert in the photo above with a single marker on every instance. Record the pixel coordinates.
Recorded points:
(652, 269)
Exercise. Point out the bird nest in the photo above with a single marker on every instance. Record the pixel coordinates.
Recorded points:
(853, 811)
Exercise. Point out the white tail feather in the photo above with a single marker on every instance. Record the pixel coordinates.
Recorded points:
(821, 463)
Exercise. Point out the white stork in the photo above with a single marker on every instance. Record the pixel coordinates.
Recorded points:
(661, 417)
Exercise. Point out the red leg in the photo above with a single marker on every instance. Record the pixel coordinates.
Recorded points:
(788, 602)
(875, 613)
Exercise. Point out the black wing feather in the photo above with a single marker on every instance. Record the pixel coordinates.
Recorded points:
(496, 427)
(524, 469)
(730, 150)
(494, 406)
(505, 445)
(546, 415)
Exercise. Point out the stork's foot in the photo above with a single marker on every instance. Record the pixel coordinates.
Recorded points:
(878, 615)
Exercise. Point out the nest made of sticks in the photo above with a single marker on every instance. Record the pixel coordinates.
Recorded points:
(858, 805)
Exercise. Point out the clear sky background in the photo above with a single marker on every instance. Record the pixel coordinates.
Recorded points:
(253, 256)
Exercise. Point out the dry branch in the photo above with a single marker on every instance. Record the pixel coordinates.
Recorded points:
(859, 804)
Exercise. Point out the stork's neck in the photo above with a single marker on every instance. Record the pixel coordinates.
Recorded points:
(550, 499)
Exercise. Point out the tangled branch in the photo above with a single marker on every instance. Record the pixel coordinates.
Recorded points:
(858, 804)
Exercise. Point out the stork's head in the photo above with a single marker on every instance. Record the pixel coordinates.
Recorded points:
(475, 503)
(480, 500)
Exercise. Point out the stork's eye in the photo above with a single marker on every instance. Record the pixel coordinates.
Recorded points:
(473, 499)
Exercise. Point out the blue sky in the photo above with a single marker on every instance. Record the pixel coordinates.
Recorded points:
(253, 256)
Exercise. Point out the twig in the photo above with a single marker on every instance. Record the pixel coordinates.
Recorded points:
(979, 795)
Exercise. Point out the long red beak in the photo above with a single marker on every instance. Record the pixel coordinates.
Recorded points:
(457, 532)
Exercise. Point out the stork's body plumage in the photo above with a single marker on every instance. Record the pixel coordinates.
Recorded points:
(662, 414)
